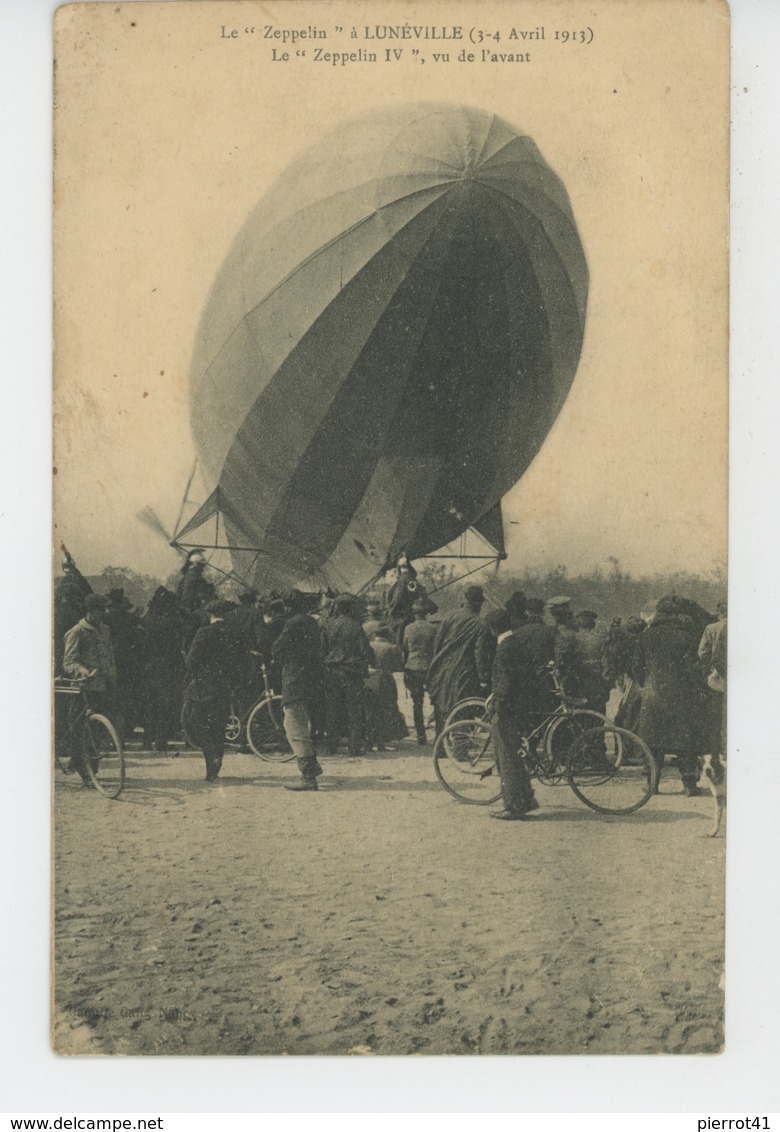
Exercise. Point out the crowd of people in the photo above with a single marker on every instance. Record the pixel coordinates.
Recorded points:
(192, 658)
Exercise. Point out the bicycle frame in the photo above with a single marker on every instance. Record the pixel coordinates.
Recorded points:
(78, 713)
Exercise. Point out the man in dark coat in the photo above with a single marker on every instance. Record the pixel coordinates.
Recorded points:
(672, 718)
(193, 591)
(514, 682)
(537, 640)
(246, 682)
(164, 628)
(268, 626)
(402, 595)
(462, 657)
(129, 642)
(297, 653)
(348, 656)
(210, 662)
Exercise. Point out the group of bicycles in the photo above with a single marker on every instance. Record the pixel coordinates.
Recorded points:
(87, 741)
(609, 768)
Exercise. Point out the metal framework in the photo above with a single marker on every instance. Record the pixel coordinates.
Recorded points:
(490, 556)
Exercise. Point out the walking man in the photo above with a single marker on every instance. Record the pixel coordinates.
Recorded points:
(297, 654)
(210, 664)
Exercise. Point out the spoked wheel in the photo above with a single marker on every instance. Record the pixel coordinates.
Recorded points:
(104, 758)
(265, 731)
(465, 762)
(233, 729)
(558, 741)
(611, 770)
(472, 708)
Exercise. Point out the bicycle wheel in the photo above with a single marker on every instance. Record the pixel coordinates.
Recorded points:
(465, 763)
(233, 729)
(611, 770)
(104, 758)
(558, 739)
(472, 708)
(265, 731)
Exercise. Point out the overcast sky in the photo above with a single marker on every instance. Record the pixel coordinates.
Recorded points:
(168, 136)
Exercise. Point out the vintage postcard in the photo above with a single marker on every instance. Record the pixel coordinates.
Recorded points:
(390, 431)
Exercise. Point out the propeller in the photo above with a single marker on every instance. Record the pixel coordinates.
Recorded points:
(149, 517)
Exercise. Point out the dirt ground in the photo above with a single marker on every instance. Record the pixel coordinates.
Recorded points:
(379, 917)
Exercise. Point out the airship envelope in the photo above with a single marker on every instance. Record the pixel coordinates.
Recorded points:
(387, 344)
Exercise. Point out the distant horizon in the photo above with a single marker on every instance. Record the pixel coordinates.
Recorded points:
(714, 573)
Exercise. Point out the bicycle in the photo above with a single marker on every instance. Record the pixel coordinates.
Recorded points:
(265, 726)
(611, 770)
(89, 743)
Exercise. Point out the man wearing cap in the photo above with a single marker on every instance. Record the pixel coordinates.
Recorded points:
(89, 658)
(348, 656)
(462, 657)
(210, 662)
(417, 647)
(89, 653)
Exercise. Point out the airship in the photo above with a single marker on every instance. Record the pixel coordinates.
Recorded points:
(385, 347)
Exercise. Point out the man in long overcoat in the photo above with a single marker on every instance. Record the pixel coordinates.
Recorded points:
(672, 718)
(164, 626)
(462, 657)
(514, 694)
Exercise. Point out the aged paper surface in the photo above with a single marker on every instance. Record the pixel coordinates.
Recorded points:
(390, 920)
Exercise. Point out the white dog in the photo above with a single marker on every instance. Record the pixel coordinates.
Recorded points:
(713, 778)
